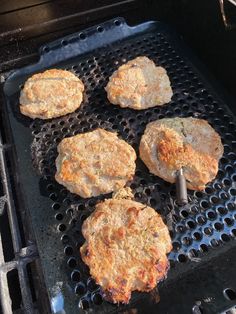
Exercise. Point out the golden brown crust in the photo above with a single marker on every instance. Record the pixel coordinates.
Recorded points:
(125, 249)
(139, 84)
(51, 94)
(94, 163)
(192, 144)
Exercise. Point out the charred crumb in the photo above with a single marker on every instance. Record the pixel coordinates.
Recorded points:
(143, 208)
(183, 130)
(123, 282)
(87, 252)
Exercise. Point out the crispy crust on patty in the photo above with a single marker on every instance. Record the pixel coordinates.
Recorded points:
(125, 249)
(139, 84)
(169, 144)
(94, 163)
(51, 94)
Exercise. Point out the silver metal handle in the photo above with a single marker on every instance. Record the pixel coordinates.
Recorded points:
(226, 21)
(181, 188)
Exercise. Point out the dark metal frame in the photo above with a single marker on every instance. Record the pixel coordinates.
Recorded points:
(23, 254)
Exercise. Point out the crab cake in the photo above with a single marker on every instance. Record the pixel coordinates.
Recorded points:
(125, 248)
(192, 144)
(94, 163)
(51, 94)
(139, 84)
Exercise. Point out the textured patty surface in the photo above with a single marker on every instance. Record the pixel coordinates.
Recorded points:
(169, 144)
(139, 84)
(94, 163)
(51, 94)
(125, 249)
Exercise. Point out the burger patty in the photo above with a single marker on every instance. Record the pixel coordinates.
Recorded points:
(125, 248)
(188, 143)
(139, 84)
(51, 94)
(94, 163)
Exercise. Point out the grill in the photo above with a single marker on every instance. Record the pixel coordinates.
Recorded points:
(202, 232)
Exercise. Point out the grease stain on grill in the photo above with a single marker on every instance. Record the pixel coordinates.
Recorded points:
(193, 227)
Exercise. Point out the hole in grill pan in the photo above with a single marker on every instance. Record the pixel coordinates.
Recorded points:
(80, 288)
(229, 294)
(225, 237)
(211, 215)
(184, 213)
(190, 224)
(228, 221)
(218, 226)
(100, 29)
(91, 284)
(84, 304)
(209, 190)
(204, 204)
(82, 36)
(97, 298)
(75, 275)
(59, 216)
(176, 246)
(187, 241)
(65, 239)
(203, 247)
(68, 250)
(233, 232)
(117, 22)
(214, 243)
(71, 262)
(64, 42)
(182, 258)
(197, 309)
(193, 253)
(208, 231)
(222, 211)
(201, 220)
(61, 227)
(197, 236)
(231, 206)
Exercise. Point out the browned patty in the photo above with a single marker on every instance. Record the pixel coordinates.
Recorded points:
(192, 144)
(50, 94)
(139, 84)
(94, 163)
(125, 249)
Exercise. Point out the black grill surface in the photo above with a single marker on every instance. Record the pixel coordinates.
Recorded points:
(202, 231)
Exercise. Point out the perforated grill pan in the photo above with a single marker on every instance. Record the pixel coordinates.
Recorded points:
(203, 232)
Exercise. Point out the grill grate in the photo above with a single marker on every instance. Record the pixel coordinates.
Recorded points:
(14, 281)
(18, 252)
(205, 223)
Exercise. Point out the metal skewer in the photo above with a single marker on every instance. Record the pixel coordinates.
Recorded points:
(181, 188)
